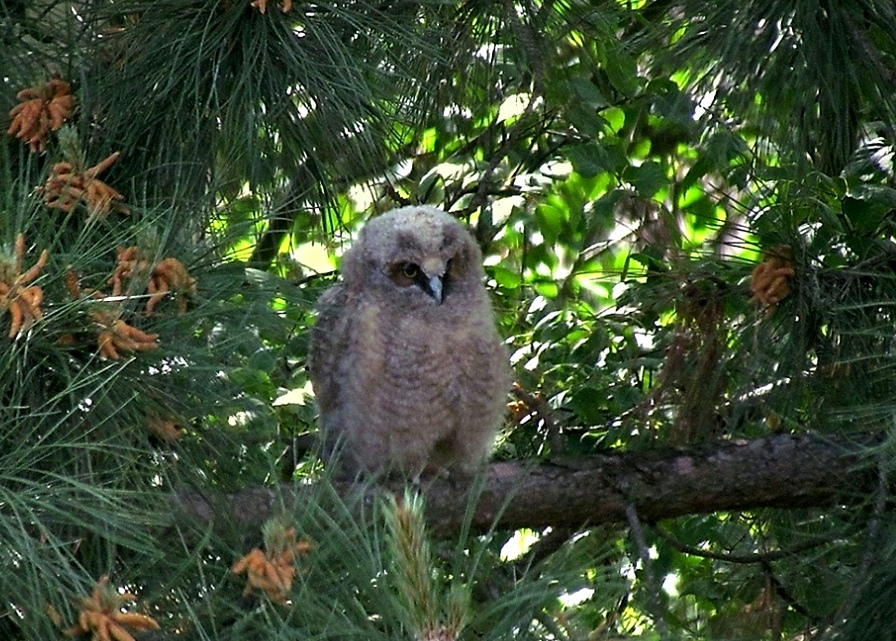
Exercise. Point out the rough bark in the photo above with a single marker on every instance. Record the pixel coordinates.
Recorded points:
(780, 471)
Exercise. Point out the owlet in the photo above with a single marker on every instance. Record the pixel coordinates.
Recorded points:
(408, 369)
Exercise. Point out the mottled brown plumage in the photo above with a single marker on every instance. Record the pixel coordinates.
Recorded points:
(407, 367)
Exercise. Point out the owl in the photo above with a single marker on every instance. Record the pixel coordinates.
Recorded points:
(408, 370)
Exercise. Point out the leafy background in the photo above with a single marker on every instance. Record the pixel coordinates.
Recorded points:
(624, 165)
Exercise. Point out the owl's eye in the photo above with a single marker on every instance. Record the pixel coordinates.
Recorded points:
(409, 270)
(405, 273)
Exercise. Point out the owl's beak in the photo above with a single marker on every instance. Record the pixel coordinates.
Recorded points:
(433, 287)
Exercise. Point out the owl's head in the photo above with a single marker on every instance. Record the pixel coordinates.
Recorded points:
(419, 253)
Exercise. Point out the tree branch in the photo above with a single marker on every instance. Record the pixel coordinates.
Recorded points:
(780, 471)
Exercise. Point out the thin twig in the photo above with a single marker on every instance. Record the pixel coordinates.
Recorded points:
(757, 557)
(783, 593)
(653, 588)
(874, 522)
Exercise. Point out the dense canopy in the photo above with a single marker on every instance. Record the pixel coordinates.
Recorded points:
(686, 213)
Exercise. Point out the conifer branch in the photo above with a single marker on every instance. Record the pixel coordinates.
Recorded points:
(780, 471)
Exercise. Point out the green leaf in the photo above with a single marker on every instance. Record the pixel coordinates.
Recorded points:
(587, 92)
(589, 404)
(588, 159)
(546, 288)
(866, 205)
(716, 155)
(593, 158)
(647, 178)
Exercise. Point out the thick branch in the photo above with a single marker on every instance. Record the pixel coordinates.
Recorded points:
(777, 471)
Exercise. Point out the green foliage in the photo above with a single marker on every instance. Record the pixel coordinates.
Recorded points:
(625, 167)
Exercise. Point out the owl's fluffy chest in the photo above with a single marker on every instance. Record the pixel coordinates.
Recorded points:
(409, 393)
(405, 350)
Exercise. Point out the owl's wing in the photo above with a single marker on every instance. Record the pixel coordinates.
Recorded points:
(327, 345)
